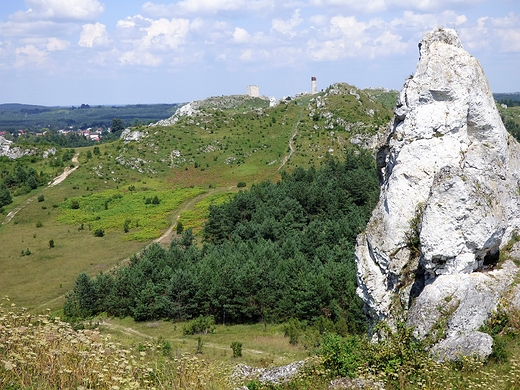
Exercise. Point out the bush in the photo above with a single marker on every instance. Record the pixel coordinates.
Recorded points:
(237, 349)
(74, 204)
(51, 244)
(41, 198)
(201, 325)
(342, 356)
(293, 330)
(99, 233)
(39, 224)
(241, 184)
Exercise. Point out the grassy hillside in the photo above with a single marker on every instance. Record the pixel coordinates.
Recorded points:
(187, 166)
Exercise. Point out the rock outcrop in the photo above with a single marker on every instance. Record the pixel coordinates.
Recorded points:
(7, 149)
(449, 201)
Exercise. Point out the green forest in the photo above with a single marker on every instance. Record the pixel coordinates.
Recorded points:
(278, 251)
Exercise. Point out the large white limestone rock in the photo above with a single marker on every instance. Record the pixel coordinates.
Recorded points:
(448, 163)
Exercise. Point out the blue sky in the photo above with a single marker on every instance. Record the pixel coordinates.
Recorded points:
(70, 52)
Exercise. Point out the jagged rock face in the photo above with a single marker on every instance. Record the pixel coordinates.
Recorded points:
(449, 166)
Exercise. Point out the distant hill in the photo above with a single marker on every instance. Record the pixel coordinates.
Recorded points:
(510, 99)
(19, 107)
(15, 116)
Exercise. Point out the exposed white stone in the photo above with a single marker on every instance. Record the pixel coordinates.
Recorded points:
(472, 344)
(449, 163)
(461, 302)
(132, 135)
(7, 149)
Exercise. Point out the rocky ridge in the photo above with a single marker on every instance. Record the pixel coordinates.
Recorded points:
(201, 107)
(449, 175)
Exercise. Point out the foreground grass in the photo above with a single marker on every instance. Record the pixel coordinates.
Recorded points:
(43, 352)
(40, 352)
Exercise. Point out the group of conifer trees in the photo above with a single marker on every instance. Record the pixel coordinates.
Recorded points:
(278, 251)
(19, 180)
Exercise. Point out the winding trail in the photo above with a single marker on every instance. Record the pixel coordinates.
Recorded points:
(57, 180)
(167, 236)
(291, 141)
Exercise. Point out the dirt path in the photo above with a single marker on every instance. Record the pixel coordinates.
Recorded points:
(57, 180)
(291, 141)
(133, 332)
(167, 236)
(66, 172)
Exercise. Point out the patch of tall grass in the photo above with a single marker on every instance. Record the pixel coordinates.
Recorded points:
(42, 352)
(113, 209)
(194, 218)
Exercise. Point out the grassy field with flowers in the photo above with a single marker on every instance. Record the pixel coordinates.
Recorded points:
(43, 352)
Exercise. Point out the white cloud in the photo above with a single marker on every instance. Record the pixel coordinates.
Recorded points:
(510, 40)
(373, 6)
(356, 5)
(62, 9)
(241, 36)
(347, 37)
(318, 20)
(55, 44)
(151, 40)
(30, 55)
(204, 7)
(493, 33)
(139, 58)
(246, 55)
(14, 29)
(93, 34)
(287, 26)
(421, 23)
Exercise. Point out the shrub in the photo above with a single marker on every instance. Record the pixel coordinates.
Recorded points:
(99, 232)
(74, 204)
(342, 356)
(241, 184)
(51, 244)
(293, 329)
(237, 349)
(39, 224)
(41, 198)
(180, 228)
(201, 325)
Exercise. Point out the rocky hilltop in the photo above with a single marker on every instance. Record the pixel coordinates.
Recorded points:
(199, 107)
(449, 176)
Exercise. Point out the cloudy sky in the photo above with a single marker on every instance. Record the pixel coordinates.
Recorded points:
(70, 52)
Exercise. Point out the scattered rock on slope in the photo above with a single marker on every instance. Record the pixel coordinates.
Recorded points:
(449, 200)
(7, 149)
